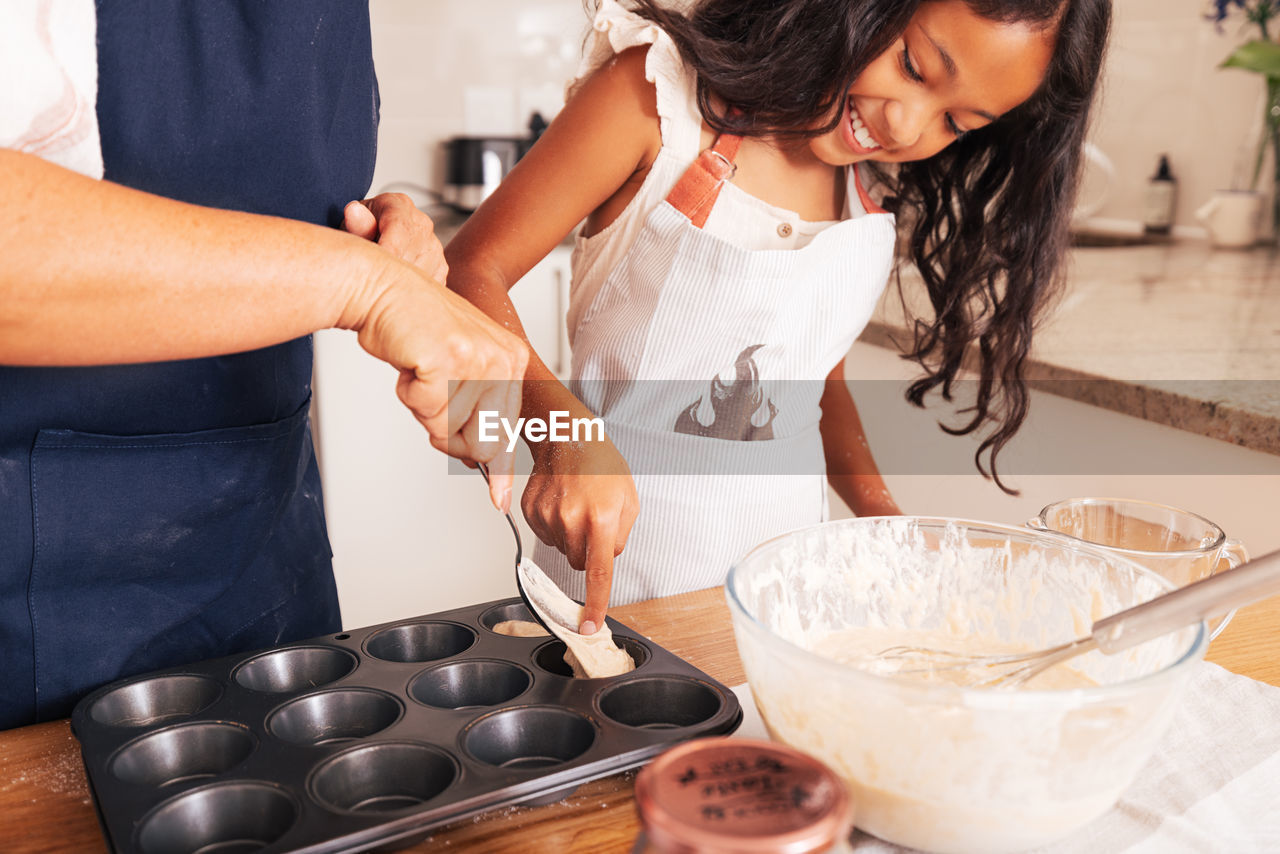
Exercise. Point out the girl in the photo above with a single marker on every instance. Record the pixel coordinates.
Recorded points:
(721, 159)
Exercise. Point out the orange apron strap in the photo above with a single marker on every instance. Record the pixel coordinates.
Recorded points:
(867, 204)
(695, 193)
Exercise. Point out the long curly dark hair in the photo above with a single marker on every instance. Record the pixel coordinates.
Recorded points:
(987, 218)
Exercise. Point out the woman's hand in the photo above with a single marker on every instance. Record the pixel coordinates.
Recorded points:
(581, 500)
(394, 222)
(454, 361)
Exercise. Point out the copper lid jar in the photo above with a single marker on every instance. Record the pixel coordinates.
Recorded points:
(740, 796)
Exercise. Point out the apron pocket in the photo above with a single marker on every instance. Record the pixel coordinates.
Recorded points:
(141, 542)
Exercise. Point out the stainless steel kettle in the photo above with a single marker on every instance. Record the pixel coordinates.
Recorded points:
(475, 165)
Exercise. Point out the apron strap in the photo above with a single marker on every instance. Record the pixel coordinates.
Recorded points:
(695, 193)
(867, 204)
(698, 188)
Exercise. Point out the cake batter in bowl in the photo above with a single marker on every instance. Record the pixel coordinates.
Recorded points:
(932, 764)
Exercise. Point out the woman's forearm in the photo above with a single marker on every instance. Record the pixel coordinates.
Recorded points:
(94, 272)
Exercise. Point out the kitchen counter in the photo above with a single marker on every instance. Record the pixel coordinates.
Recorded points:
(1177, 333)
(45, 804)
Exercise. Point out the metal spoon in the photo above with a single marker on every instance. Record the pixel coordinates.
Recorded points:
(534, 611)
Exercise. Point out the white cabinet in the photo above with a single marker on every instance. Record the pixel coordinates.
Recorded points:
(410, 534)
(542, 299)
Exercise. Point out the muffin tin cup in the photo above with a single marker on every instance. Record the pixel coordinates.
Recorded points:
(549, 656)
(374, 737)
(155, 701)
(470, 684)
(287, 670)
(383, 778)
(225, 817)
(181, 753)
(332, 717)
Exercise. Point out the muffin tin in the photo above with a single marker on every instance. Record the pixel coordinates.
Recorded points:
(374, 737)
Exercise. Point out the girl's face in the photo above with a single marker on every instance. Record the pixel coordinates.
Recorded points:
(950, 72)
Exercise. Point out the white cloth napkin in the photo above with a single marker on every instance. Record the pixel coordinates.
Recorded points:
(1213, 784)
(49, 82)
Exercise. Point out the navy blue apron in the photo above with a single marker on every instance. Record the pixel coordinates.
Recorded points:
(161, 513)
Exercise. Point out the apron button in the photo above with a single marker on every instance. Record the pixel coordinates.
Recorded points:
(784, 230)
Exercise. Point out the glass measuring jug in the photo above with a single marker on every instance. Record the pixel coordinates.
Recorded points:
(1180, 545)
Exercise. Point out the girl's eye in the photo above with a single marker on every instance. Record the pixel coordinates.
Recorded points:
(955, 128)
(907, 67)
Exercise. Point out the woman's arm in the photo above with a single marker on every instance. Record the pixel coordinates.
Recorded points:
(588, 162)
(851, 470)
(97, 273)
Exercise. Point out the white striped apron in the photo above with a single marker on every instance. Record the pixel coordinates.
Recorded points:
(682, 308)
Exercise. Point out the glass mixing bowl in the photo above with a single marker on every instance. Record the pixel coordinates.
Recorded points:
(934, 765)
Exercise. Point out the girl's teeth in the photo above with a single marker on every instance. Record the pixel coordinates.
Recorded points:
(860, 132)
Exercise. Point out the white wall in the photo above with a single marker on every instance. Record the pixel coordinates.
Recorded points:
(465, 67)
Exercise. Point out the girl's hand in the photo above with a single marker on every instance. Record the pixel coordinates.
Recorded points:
(581, 500)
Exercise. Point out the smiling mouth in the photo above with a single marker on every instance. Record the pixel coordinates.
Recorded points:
(861, 133)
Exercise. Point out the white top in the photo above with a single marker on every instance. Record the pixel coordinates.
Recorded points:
(49, 58)
(737, 218)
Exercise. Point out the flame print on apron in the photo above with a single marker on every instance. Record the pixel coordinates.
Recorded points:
(736, 406)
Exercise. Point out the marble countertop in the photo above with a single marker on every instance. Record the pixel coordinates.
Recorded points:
(1180, 334)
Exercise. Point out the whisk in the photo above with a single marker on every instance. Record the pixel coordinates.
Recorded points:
(1210, 597)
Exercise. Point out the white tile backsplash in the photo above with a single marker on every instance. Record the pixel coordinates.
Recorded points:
(449, 67)
(453, 67)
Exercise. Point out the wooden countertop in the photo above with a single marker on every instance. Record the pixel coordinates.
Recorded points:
(1177, 333)
(45, 804)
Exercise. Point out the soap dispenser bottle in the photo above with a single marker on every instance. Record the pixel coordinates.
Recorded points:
(1162, 194)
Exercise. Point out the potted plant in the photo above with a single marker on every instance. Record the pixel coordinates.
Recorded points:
(1262, 56)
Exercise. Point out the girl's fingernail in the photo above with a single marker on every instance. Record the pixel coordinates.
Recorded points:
(506, 501)
(588, 627)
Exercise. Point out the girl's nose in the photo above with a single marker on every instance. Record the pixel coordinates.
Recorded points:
(906, 122)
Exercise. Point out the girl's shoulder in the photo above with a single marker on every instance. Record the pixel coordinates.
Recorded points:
(634, 51)
(616, 102)
(625, 71)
